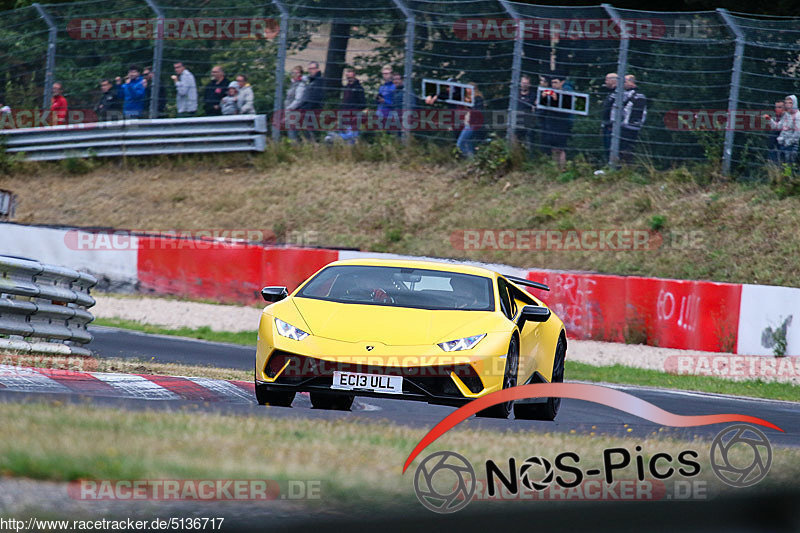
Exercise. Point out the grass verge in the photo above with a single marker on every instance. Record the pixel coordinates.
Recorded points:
(246, 338)
(416, 200)
(357, 462)
(653, 378)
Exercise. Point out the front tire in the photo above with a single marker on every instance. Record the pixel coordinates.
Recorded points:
(331, 402)
(276, 398)
(549, 409)
(509, 380)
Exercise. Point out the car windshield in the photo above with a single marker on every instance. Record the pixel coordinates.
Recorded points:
(401, 287)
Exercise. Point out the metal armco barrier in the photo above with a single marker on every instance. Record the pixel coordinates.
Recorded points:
(237, 133)
(44, 307)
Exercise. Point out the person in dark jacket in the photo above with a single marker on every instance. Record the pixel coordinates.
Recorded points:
(773, 155)
(608, 108)
(526, 104)
(215, 91)
(557, 125)
(147, 79)
(353, 98)
(634, 113)
(314, 93)
(108, 107)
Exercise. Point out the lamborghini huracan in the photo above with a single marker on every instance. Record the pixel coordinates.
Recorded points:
(439, 332)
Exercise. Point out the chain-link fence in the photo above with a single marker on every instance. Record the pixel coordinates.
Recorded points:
(703, 81)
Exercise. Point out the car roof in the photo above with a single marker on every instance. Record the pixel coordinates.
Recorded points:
(460, 268)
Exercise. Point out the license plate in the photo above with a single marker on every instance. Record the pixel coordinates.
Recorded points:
(370, 382)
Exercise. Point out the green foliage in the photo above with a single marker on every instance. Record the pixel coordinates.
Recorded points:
(657, 222)
(785, 181)
(495, 159)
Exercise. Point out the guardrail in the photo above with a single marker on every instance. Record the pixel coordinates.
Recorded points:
(44, 307)
(236, 133)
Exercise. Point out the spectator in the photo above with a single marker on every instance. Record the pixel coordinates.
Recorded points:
(353, 98)
(131, 93)
(386, 91)
(608, 108)
(353, 102)
(215, 91)
(246, 97)
(294, 96)
(314, 92)
(186, 89)
(147, 79)
(473, 126)
(108, 106)
(789, 130)
(526, 101)
(557, 125)
(634, 113)
(58, 105)
(230, 103)
(773, 154)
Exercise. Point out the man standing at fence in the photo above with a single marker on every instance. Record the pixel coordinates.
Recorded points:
(294, 97)
(386, 91)
(634, 113)
(147, 79)
(186, 88)
(58, 106)
(526, 102)
(215, 91)
(556, 124)
(773, 155)
(314, 93)
(131, 93)
(353, 103)
(608, 109)
(108, 107)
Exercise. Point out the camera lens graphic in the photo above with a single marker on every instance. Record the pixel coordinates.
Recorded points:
(735, 471)
(445, 482)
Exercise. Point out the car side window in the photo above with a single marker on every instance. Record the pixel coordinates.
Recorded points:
(505, 301)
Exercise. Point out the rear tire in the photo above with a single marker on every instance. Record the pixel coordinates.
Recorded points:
(509, 380)
(331, 402)
(276, 398)
(549, 409)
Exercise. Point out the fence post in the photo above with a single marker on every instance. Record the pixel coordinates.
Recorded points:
(50, 69)
(516, 68)
(280, 68)
(158, 54)
(733, 96)
(408, 67)
(622, 66)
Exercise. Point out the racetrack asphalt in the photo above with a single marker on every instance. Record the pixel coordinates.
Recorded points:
(583, 417)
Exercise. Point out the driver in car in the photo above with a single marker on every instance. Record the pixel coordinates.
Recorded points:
(466, 292)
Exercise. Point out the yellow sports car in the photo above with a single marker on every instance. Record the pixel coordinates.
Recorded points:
(416, 330)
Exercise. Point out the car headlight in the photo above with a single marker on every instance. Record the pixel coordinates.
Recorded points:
(461, 344)
(288, 330)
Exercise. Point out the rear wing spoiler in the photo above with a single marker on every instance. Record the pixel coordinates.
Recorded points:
(528, 283)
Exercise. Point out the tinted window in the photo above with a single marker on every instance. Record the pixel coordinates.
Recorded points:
(401, 287)
(505, 301)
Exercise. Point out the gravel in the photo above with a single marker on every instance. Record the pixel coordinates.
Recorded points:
(171, 313)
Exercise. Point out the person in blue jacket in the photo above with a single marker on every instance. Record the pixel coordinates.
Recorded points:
(131, 93)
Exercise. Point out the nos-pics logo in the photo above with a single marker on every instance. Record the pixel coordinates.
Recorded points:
(445, 482)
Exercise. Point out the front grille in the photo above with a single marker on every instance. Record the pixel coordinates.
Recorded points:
(434, 380)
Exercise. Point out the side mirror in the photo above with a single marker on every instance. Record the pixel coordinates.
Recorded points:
(274, 294)
(533, 313)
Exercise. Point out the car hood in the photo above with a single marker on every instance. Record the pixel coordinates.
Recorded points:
(392, 326)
